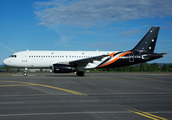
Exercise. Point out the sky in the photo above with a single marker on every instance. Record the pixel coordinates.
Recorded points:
(83, 25)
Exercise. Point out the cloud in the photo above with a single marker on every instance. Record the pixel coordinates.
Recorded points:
(7, 48)
(62, 40)
(88, 32)
(130, 32)
(169, 22)
(104, 46)
(88, 13)
(166, 27)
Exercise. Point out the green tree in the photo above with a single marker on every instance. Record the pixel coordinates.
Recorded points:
(165, 68)
(119, 69)
(144, 67)
(111, 70)
(137, 68)
(126, 69)
(150, 68)
(170, 68)
(134, 69)
(153, 67)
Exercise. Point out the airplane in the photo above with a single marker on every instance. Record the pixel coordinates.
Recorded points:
(77, 61)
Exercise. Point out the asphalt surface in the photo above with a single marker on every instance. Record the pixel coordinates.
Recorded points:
(96, 96)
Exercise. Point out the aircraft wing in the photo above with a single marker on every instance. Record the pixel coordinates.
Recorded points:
(85, 61)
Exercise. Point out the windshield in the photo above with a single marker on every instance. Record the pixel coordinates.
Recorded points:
(14, 56)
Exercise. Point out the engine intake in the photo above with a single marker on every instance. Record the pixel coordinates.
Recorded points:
(62, 68)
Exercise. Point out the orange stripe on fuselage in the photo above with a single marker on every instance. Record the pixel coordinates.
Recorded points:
(116, 58)
(112, 54)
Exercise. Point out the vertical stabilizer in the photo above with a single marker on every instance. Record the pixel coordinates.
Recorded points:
(147, 43)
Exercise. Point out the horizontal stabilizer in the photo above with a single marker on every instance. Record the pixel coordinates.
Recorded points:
(155, 54)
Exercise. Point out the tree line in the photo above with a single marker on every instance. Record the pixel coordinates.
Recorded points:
(142, 67)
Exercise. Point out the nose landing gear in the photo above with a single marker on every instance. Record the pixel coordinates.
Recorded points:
(25, 72)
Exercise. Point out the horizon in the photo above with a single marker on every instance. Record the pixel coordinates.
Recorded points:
(86, 25)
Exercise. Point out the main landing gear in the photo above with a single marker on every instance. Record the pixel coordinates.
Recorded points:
(80, 73)
(25, 72)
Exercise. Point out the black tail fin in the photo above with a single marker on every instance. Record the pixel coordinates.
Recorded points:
(147, 43)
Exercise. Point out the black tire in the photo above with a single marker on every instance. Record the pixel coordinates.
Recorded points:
(24, 73)
(80, 73)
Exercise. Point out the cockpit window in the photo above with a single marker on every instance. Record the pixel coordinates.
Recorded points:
(13, 56)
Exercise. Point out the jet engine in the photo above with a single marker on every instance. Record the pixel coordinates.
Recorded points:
(62, 68)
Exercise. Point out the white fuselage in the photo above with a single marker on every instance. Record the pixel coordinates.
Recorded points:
(45, 59)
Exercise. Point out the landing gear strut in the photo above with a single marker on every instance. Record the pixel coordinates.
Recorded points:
(80, 73)
(25, 72)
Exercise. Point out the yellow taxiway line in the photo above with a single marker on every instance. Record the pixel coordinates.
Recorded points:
(139, 112)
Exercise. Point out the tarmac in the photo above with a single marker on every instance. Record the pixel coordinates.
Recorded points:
(96, 96)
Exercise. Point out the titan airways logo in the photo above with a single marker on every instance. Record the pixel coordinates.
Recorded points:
(117, 58)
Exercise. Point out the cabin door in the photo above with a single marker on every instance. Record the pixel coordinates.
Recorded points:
(131, 57)
(24, 56)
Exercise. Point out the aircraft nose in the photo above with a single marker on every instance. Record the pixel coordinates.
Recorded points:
(5, 62)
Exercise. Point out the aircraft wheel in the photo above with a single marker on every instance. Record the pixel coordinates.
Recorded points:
(80, 73)
(25, 74)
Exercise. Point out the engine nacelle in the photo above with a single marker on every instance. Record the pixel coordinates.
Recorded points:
(62, 68)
